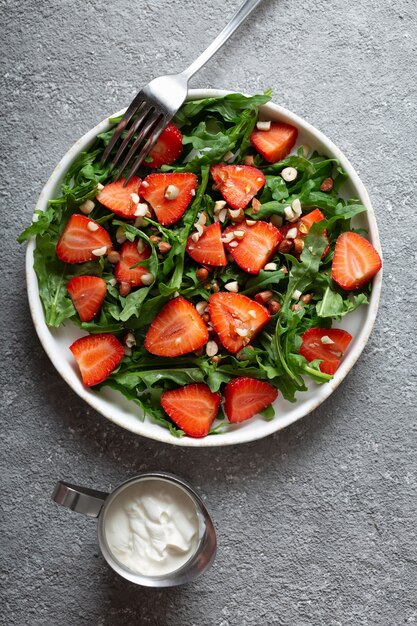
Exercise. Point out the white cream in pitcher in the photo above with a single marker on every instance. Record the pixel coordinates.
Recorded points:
(152, 527)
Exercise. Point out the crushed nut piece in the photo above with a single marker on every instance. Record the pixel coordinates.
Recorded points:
(113, 257)
(289, 174)
(147, 279)
(202, 274)
(327, 185)
(263, 297)
(263, 125)
(212, 348)
(99, 251)
(286, 246)
(171, 192)
(86, 207)
(201, 307)
(232, 286)
(236, 215)
(326, 340)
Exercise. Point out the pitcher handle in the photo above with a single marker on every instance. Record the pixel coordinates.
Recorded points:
(80, 499)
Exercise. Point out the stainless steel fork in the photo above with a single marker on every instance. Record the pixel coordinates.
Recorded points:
(157, 103)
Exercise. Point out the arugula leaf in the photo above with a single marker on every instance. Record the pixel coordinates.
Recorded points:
(268, 413)
(52, 280)
(40, 224)
(333, 305)
(228, 107)
(262, 280)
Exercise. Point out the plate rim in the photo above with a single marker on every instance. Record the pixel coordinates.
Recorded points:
(239, 435)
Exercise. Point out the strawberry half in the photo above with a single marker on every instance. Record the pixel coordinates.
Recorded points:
(177, 329)
(87, 294)
(118, 198)
(97, 356)
(238, 184)
(168, 210)
(236, 319)
(124, 271)
(326, 344)
(245, 397)
(257, 246)
(276, 143)
(209, 249)
(355, 261)
(79, 238)
(167, 148)
(193, 408)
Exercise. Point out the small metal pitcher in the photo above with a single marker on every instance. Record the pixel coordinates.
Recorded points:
(95, 504)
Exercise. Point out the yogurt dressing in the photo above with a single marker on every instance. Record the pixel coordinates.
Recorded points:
(152, 527)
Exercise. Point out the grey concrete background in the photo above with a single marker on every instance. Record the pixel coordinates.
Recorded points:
(317, 524)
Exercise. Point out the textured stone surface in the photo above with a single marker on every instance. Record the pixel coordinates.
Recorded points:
(317, 524)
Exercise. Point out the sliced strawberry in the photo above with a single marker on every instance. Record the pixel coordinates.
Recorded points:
(238, 184)
(124, 271)
(118, 198)
(209, 249)
(257, 246)
(78, 240)
(87, 294)
(167, 148)
(326, 344)
(236, 319)
(276, 143)
(168, 210)
(355, 261)
(97, 356)
(245, 397)
(193, 408)
(176, 330)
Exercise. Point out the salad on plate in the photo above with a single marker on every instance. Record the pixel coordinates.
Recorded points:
(208, 284)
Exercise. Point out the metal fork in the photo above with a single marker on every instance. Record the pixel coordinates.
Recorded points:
(157, 103)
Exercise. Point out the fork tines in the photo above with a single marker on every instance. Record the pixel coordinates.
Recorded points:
(146, 124)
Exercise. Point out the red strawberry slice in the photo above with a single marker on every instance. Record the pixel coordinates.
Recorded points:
(276, 143)
(209, 249)
(182, 186)
(118, 198)
(326, 344)
(176, 330)
(257, 246)
(124, 271)
(355, 261)
(87, 294)
(238, 184)
(79, 238)
(167, 148)
(236, 319)
(245, 397)
(193, 408)
(97, 356)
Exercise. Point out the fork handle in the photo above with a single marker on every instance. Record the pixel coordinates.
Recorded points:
(241, 14)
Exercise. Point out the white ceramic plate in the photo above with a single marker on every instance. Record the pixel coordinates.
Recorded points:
(112, 405)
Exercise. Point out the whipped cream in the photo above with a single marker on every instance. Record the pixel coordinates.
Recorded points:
(152, 527)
